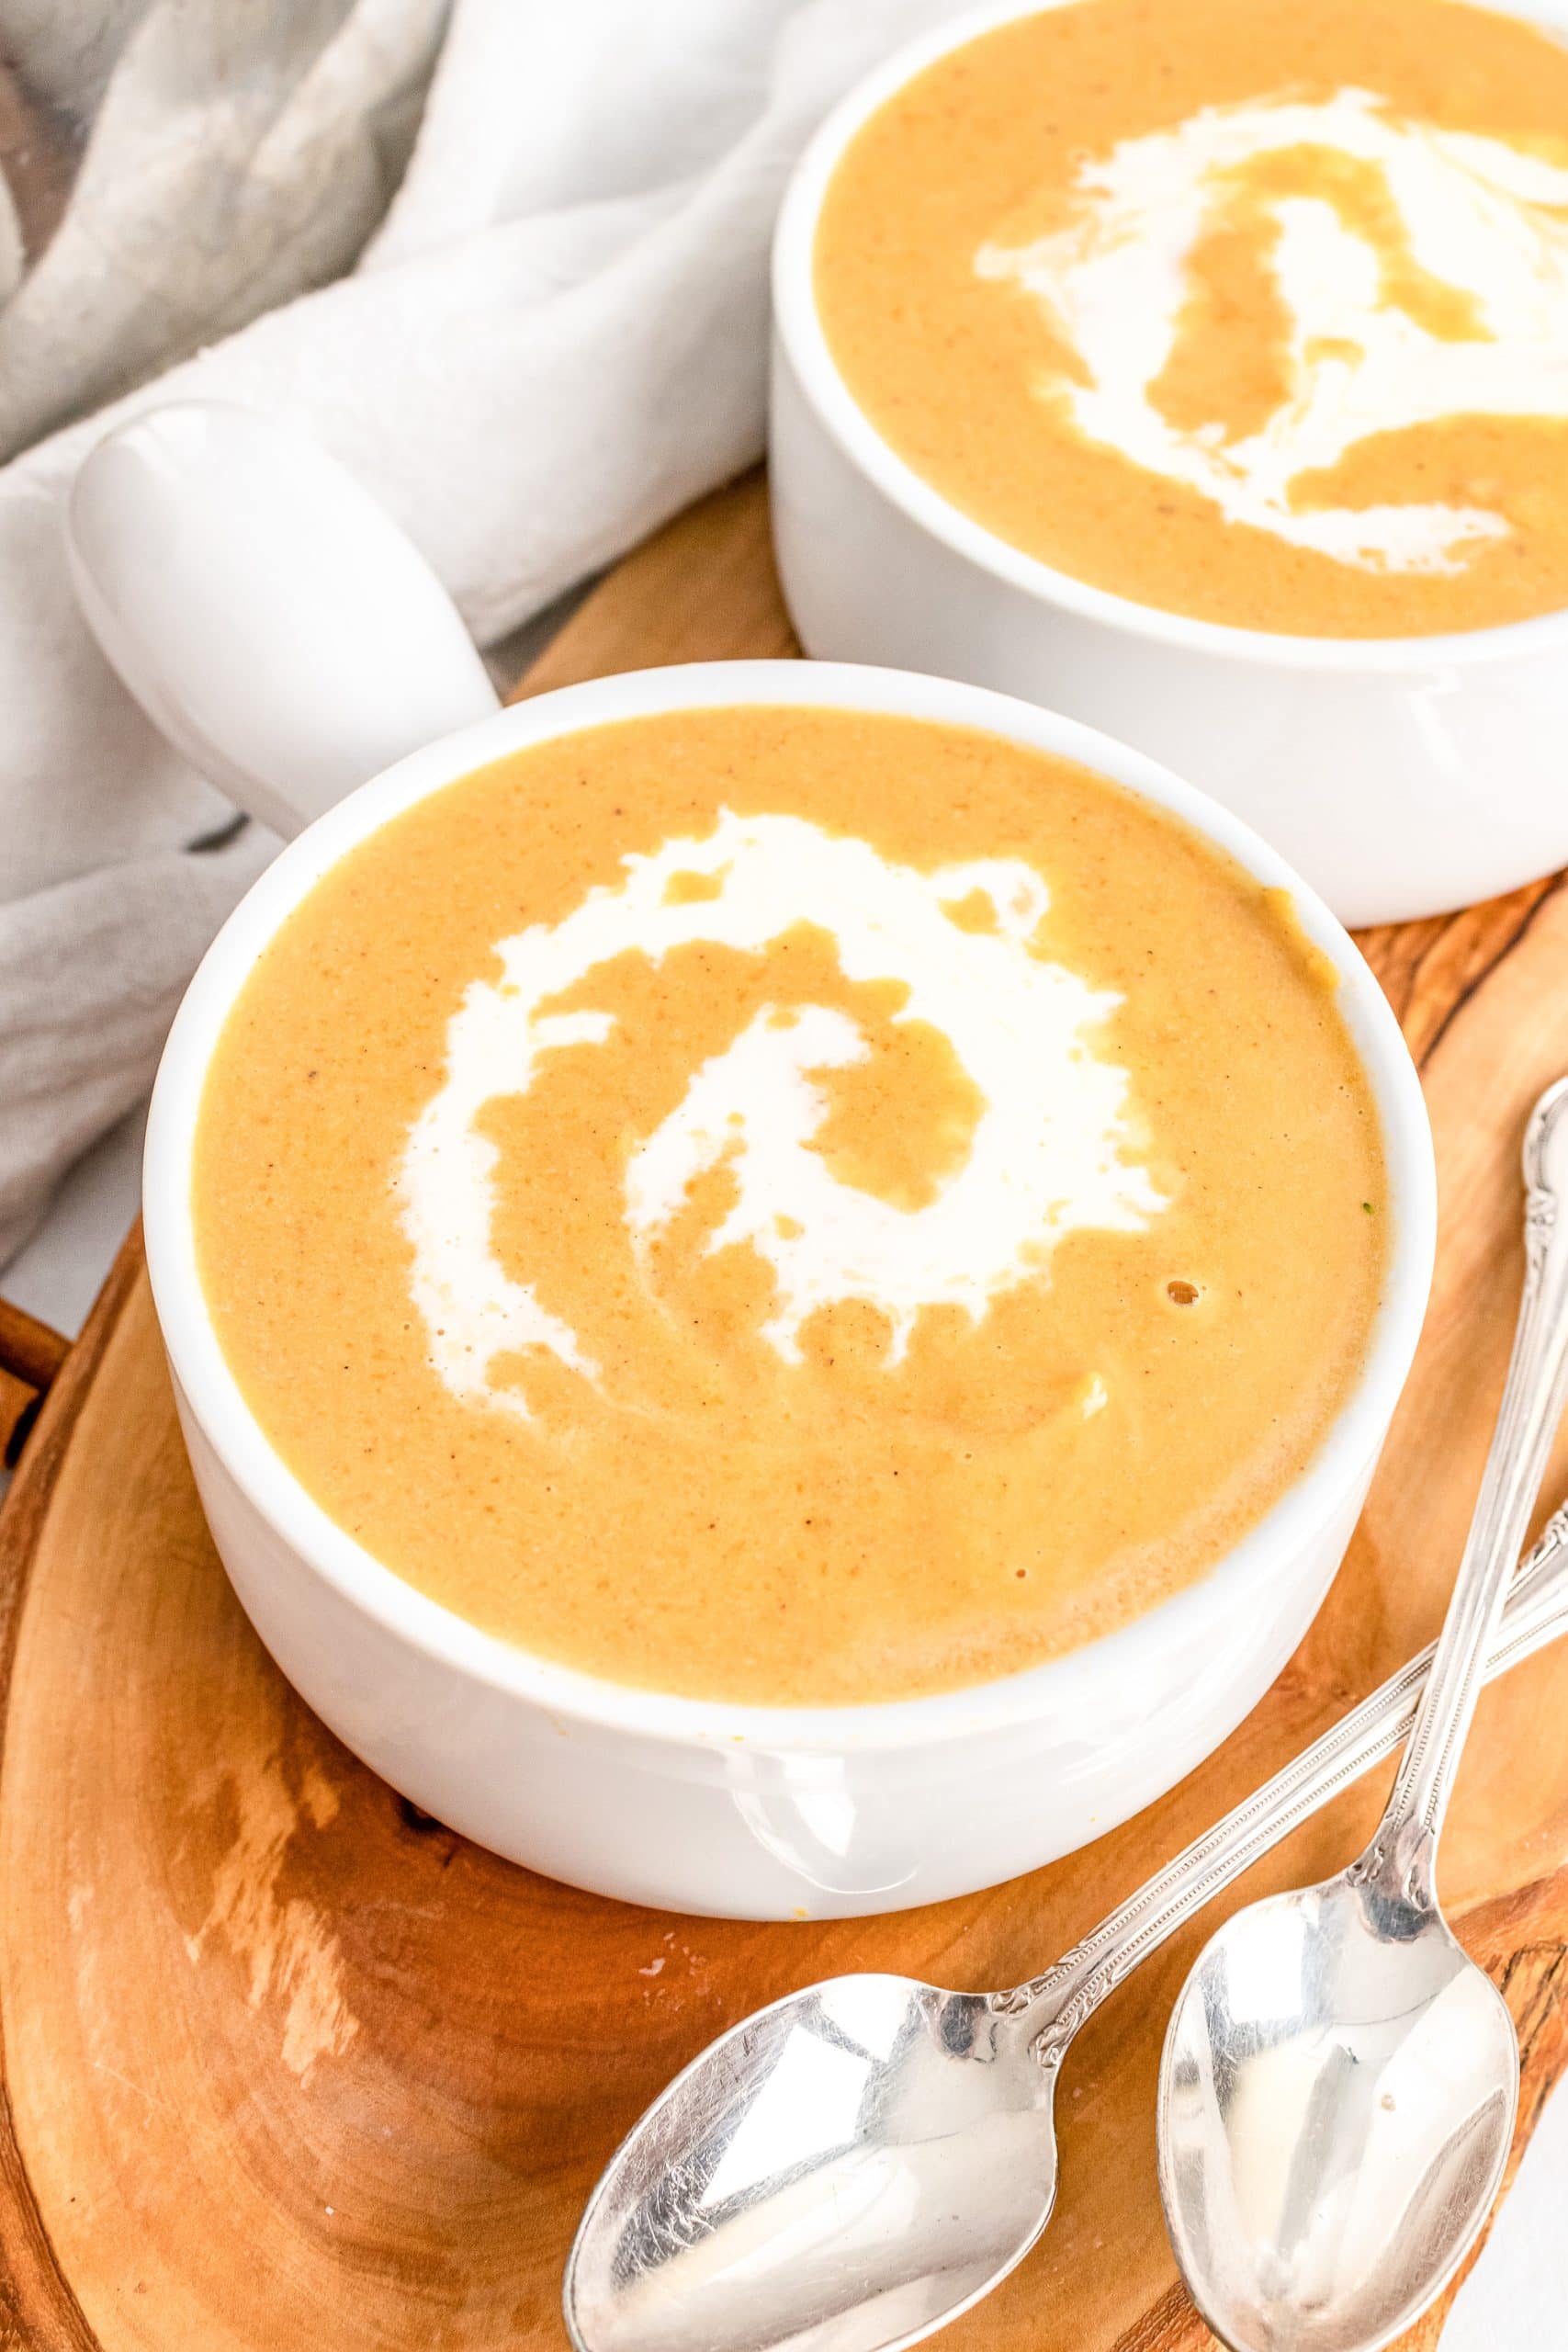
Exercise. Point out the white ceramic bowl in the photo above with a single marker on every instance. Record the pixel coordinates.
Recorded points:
(1400, 775)
(770, 1813)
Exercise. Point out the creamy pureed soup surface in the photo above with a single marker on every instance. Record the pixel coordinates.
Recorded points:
(1255, 310)
(788, 1205)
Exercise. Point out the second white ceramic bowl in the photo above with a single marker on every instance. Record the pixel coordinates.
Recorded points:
(766, 1812)
(1400, 775)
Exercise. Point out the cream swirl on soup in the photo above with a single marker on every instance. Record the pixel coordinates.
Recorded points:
(791, 1204)
(1484, 225)
(1247, 310)
(1048, 1154)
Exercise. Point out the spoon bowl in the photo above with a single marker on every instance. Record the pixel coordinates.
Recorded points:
(853, 2166)
(841, 2172)
(1339, 2082)
(1337, 2104)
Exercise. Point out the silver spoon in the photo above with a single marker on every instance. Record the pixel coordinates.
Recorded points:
(856, 2165)
(1339, 2080)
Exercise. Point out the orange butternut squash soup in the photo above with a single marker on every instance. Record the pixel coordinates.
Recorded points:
(1255, 310)
(787, 1205)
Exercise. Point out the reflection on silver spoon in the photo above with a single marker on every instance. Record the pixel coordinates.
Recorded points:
(853, 2166)
(1338, 2092)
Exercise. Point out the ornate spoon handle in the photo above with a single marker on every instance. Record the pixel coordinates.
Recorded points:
(1058, 2002)
(1402, 1853)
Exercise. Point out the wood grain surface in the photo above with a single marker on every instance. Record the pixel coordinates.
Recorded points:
(287, 2063)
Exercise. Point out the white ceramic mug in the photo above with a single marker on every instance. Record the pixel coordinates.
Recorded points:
(700, 1805)
(696, 1804)
(1401, 777)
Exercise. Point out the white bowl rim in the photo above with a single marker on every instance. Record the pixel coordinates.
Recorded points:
(799, 330)
(212, 1394)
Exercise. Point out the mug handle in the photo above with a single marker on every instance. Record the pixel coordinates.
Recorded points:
(266, 611)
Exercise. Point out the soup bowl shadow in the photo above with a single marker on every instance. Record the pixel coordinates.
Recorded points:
(749, 1811)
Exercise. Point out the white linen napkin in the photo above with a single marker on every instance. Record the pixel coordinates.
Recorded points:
(553, 337)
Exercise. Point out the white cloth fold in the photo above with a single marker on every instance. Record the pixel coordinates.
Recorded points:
(556, 337)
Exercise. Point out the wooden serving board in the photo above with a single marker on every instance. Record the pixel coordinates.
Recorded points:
(287, 2063)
